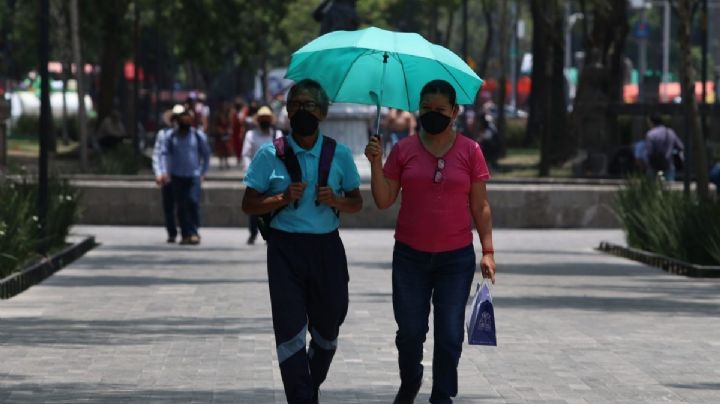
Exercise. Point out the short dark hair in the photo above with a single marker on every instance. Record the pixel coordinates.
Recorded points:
(439, 87)
(314, 88)
(656, 119)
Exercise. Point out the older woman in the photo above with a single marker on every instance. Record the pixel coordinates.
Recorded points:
(307, 267)
(442, 177)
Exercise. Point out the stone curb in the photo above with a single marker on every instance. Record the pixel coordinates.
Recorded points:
(668, 264)
(16, 283)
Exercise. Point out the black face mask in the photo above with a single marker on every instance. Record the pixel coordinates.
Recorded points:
(184, 127)
(434, 122)
(264, 125)
(304, 123)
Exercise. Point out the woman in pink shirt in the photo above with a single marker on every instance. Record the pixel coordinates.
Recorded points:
(442, 177)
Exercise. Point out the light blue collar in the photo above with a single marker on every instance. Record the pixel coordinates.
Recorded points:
(315, 151)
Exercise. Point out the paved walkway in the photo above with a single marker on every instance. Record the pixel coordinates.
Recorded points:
(137, 320)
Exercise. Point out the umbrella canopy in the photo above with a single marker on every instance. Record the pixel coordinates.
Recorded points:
(378, 67)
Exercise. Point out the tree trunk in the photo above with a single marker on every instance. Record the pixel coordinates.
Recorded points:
(601, 84)
(65, 123)
(449, 27)
(538, 90)
(697, 148)
(487, 13)
(80, 77)
(502, 80)
(111, 62)
(563, 145)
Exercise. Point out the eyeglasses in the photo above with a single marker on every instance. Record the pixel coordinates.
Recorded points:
(437, 178)
(309, 106)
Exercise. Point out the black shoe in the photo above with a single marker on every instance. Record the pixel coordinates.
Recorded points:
(406, 394)
(171, 239)
(251, 240)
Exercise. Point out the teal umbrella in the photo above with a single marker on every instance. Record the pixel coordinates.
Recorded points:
(378, 67)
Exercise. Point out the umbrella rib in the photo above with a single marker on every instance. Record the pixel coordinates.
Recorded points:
(347, 72)
(454, 78)
(402, 68)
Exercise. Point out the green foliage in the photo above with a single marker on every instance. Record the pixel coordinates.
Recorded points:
(665, 222)
(121, 160)
(18, 226)
(515, 132)
(19, 223)
(26, 125)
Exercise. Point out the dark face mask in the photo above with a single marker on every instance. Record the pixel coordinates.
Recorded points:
(184, 127)
(264, 125)
(303, 123)
(434, 122)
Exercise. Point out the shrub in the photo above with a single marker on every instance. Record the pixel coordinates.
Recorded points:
(515, 132)
(663, 221)
(121, 160)
(19, 223)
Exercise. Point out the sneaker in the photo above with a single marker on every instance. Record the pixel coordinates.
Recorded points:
(406, 394)
(194, 239)
(171, 239)
(251, 240)
(185, 241)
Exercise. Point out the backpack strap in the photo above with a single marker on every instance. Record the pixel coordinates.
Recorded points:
(170, 145)
(326, 156)
(327, 153)
(285, 153)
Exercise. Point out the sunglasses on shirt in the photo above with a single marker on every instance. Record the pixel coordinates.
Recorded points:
(437, 178)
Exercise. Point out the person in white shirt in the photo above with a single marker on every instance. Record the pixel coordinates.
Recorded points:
(263, 133)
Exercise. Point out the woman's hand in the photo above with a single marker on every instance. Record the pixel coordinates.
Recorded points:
(487, 266)
(373, 150)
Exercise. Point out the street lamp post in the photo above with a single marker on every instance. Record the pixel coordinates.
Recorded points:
(43, 56)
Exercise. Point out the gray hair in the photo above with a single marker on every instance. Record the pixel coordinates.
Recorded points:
(315, 89)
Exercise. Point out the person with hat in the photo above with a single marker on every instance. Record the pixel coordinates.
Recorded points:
(181, 159)
(162, 180)
(263, 133)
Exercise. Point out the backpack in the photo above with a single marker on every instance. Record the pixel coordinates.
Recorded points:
(285, 153)
(171, 147)
(657, 158)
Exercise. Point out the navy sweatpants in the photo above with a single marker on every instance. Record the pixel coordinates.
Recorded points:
(308, 279)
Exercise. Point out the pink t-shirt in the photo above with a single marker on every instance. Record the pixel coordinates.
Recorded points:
(435, 217)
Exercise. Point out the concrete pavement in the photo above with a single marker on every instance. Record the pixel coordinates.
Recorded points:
(137, 320)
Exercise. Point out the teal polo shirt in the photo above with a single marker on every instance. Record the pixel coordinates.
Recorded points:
(267, 175)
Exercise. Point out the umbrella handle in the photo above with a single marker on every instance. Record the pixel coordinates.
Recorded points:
(375, 98)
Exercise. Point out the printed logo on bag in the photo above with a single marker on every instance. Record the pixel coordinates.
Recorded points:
(485, 322)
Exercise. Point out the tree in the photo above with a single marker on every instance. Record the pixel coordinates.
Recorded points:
(80, 78)
(502, 80)
(684, 10)
(487, 7)
(113, 49)
(601, 81)
(547, 120)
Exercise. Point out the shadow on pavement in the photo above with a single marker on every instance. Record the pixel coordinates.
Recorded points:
(696, 386)
(107, 280)
(114, 393)
(28, 331)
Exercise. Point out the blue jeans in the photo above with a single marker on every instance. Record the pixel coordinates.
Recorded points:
(417, 277)
(187, 198)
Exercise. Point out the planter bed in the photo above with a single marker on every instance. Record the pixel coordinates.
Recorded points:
(666, 263)
(18, 282)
